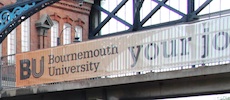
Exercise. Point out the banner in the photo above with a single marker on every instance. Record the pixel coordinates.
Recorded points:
(163, 48)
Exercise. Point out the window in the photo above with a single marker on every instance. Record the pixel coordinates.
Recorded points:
(67, 33)
(78, 32)
(25, 35)
(54, 33)
(11, 47)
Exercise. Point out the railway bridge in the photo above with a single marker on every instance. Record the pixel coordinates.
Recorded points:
(137, 49)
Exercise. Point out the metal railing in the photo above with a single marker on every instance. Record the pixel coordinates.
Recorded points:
(8, 71)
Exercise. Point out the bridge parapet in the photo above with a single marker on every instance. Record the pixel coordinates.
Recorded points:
(170, 84)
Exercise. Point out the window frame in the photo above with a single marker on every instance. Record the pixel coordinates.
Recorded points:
(54, 33)
(25, 35)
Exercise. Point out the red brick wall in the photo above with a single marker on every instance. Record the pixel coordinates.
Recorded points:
(63, 11)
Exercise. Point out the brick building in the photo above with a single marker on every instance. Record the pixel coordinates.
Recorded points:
(68, 19)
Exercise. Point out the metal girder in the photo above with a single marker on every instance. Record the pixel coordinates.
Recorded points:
(192, 15)
(137, 25)
(190, 10)
(202, 6)
(119, 6)
(190, 7)
(169, 7)
(112, 15)
(136, 13)
(13, 15)
(152, 13)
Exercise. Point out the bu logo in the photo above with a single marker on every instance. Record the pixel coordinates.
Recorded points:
(25, 70)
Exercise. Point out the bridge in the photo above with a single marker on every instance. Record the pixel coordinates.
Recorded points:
(183, 56)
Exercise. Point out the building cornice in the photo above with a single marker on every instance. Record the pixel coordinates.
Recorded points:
(74, 7)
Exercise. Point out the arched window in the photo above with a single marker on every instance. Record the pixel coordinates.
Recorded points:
(54, 33)
(11, 47)
(78, 32)
(25, 35)
(66, 33)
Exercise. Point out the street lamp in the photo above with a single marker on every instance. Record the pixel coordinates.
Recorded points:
(43, 25)
(76, 38)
